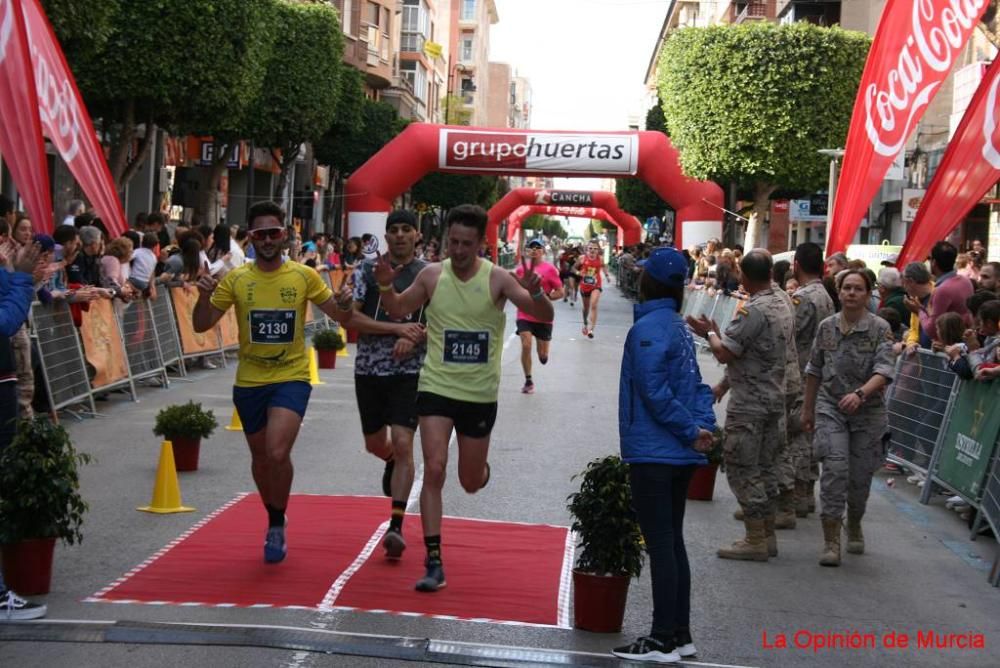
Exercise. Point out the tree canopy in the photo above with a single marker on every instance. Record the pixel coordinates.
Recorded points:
(752, 103)
(449, 190)
(362, 127)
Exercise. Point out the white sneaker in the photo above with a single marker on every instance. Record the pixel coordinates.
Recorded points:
(15, 608)
(953, 501)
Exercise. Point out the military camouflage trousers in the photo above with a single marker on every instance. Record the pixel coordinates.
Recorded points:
(794, 460)
(850, 449)
(751, 450)
(21, 343)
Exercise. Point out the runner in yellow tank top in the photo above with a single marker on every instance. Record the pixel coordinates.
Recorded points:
(272, 382)
(461, 372)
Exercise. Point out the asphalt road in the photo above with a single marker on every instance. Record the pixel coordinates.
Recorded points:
(920, 573)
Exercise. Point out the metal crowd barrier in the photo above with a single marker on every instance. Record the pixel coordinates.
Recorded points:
(989, 509)
(628, 281)
(165, 328)
(67, 382)
(919, 402)
(141, 342)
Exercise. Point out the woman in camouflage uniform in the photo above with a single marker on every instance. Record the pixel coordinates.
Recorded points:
(850, 364)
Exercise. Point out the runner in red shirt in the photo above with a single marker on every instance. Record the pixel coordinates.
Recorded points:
(590, 268)
(527, 326)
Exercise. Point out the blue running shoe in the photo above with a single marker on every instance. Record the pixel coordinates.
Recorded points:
(275, 547)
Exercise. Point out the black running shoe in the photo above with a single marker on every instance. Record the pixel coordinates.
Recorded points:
(393, 544)
(15, 608)
(434, 579)
(683, 643)
(648, 648)
(487, 480)
(390, 464)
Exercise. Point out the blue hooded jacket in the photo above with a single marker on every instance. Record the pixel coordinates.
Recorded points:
(661, 400)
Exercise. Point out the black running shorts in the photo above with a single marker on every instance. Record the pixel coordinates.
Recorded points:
(471, 419)
(386, 400)
(540, 330)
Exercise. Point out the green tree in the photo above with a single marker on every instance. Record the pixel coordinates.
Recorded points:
(299, 97)
(362, 127)
(752, 103)
(548, 226)
(446, 191)
(186, 64)
(454, 110)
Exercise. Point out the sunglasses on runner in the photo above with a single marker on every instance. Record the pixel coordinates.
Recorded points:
(266, 233)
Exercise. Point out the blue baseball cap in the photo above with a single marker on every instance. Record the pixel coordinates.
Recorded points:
(535, 243)
(46, 242)
(666, 265)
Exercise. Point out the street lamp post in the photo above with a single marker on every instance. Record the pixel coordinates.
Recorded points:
(834, 154)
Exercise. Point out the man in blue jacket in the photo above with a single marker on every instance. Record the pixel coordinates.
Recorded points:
(16, 292)
(665, 423)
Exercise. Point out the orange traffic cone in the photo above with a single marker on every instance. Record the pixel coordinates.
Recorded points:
(166, 491)
(234, 422)
(313, 367)
(343, 335)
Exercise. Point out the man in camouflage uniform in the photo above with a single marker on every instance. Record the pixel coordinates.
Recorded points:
(755, 349)
(812, 305)
(785, 461)
(850, 364)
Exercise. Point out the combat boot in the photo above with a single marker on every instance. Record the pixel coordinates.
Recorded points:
(738, 514)
(785, 518)
(831, 542)
(772, 540)
(751, 548)
(801, 498)
(855, 539)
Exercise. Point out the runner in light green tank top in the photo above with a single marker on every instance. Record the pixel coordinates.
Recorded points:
(461, 373)
(464, 335)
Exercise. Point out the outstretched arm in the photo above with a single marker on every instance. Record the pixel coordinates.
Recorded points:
(526, 292)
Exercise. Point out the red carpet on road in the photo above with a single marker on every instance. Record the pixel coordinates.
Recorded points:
(496, 571)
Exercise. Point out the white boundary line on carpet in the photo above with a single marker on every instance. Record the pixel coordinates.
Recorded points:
(99, 596)
(333, 593)
(566, 583)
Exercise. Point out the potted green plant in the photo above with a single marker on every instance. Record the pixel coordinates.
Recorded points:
(702, 487)
(327, 343)
(39, 502)
(184, 425)
(611, 547)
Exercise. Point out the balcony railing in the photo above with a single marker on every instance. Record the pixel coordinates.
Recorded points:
(754, 10)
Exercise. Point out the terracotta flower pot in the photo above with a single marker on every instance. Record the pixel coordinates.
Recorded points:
(327, 358)
(27, 566)
(186, 453)
(702, 485)
(599, 601)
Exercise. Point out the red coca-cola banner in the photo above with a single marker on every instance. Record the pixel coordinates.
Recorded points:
(970, 167)
(914, 48)
(20, 133)
(65, 120)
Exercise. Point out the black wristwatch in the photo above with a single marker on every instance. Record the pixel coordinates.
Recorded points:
(860, 393)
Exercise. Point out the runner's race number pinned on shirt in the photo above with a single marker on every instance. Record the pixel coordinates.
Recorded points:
(272, 325)
(466, 347)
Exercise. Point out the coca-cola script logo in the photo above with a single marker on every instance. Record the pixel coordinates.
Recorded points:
(924, 59)
(990, 152)
(57, 106)
(6, 26)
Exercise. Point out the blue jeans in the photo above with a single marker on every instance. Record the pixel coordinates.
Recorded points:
(659, 494)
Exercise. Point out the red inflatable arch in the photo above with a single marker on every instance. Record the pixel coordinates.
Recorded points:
(629, 225)
(515, 219)
(423, 148)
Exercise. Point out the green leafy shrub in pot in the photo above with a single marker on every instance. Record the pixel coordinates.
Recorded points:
(604, 520)
(40, 486)
(328, 339)
(185, 421)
